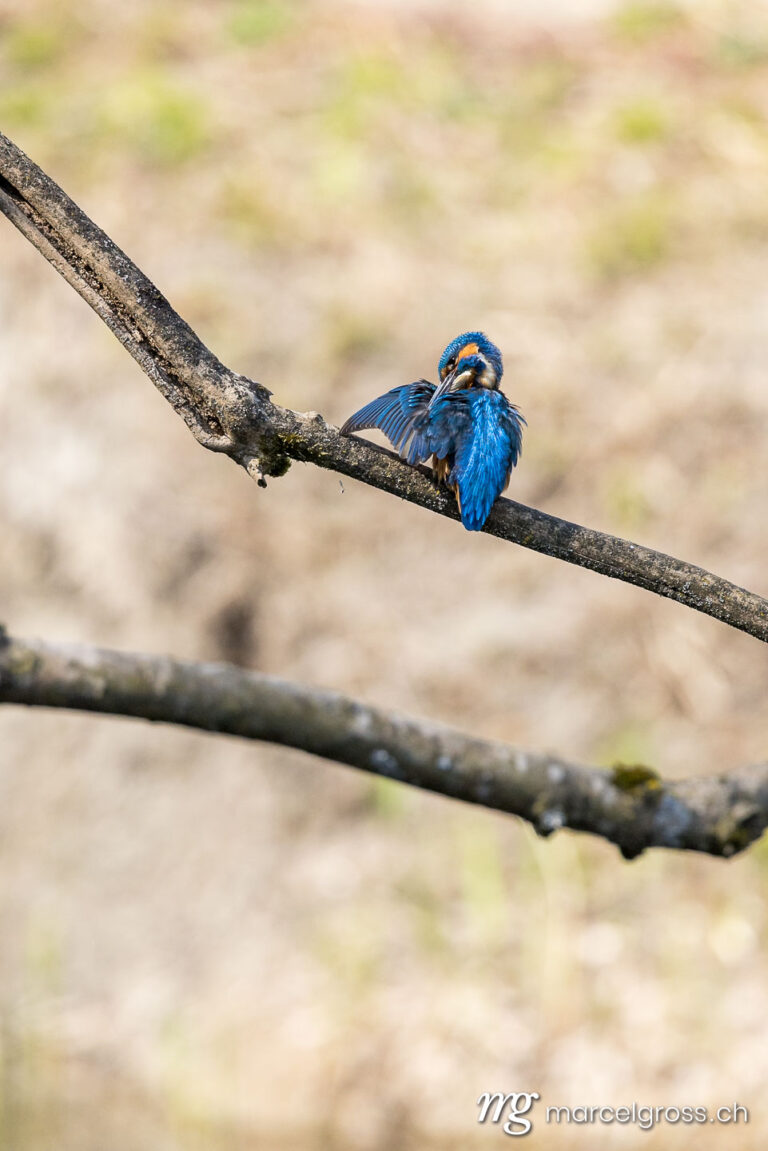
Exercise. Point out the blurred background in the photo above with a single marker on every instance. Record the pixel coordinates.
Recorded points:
(206, 944)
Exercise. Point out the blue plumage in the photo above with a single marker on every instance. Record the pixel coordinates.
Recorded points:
(467, 425)
(484, 460)
(402, 415)
(456, 351)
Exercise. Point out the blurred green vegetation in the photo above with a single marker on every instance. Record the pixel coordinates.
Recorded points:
(743, 48)
(632, 237)
(640, 21)
(643, 120)
(403, 133)
(254, 22)
(34, 46)
(154, 118)
(483, 883)
(629, 742)
(626, 502)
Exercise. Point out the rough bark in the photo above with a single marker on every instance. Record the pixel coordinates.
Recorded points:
(627, 805)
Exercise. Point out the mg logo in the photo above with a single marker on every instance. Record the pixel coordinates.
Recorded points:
(515, 1106)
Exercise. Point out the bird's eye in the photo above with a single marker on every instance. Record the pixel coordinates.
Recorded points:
(451, 364)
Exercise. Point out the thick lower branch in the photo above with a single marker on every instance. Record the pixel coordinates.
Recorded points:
(631, 807)
(232, 414)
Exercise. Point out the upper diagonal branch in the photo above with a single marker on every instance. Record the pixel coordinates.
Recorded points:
(630, 807)
(230, 413)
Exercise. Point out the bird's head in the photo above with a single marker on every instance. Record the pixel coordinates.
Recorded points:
(469, 361)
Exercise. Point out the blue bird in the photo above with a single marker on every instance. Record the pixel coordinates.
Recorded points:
(465, 423)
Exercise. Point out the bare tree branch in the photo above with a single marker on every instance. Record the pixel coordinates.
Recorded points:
(629, 806)
(231, 414)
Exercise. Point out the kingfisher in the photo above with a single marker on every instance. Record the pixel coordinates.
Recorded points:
(465, 423)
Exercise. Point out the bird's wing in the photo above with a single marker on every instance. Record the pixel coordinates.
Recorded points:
(450, 419)
(401, 414)
(486, 456)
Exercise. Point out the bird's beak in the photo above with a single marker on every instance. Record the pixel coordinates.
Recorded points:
(449, 384)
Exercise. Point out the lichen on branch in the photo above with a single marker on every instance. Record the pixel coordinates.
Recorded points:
(629, 806)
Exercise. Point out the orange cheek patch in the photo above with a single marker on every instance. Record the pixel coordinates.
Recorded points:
(467, 350)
